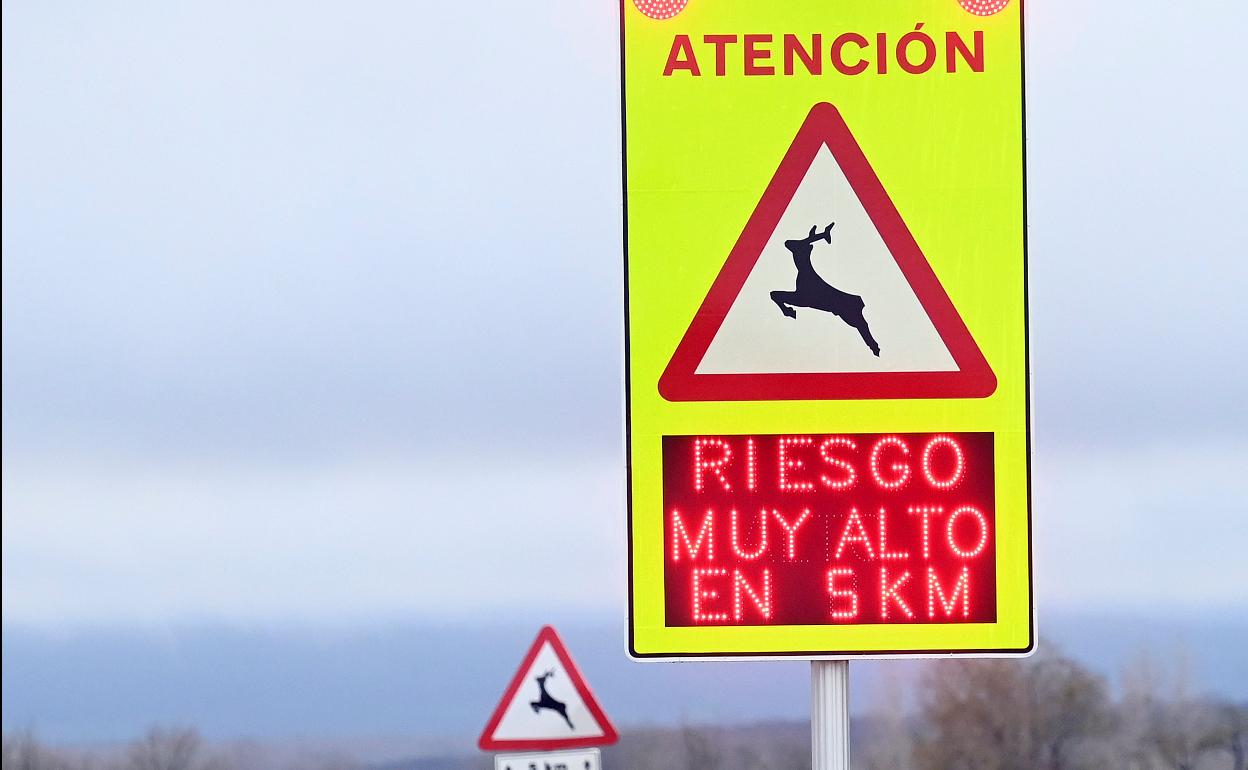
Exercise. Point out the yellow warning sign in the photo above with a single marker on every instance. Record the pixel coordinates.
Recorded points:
(826, 328)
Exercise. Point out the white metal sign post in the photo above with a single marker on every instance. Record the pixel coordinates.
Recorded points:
(829, 714)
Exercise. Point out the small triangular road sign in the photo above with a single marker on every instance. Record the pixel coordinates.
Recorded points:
(826, 295)
(547, 705)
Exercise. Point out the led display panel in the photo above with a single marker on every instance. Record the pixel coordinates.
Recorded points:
(829, 529)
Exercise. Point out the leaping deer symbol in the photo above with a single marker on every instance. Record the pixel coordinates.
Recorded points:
(814, 292)
(547, 702)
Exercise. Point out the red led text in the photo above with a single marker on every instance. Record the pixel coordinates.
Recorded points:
(824, 529)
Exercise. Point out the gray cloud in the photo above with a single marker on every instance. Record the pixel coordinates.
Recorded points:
(326, 243)
(314, 228)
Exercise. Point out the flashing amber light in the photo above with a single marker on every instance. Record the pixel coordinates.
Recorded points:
(978, 7)
(660, 9)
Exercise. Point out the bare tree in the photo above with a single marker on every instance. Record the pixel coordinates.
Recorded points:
(700, 751)
(1234, 733)
(1011, 715)
(1070, 707)
(22, 751)
(171, 749)
(1166, 726)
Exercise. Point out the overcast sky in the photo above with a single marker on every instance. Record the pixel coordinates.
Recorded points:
(313, 310)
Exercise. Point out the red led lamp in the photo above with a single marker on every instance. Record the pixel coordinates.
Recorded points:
(660, 9)
(984, 7)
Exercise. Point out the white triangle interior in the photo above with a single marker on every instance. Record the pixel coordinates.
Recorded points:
(756, 338)
(521, 722)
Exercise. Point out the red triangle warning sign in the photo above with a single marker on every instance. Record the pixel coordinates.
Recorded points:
(547, 705)
(826, 295)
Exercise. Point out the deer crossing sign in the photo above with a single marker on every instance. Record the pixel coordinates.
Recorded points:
(826, 328)
(547, 707)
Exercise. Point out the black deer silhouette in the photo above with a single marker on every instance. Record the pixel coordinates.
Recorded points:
(547, 702)
(814, 292)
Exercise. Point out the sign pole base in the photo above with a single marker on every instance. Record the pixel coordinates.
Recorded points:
(829, 714)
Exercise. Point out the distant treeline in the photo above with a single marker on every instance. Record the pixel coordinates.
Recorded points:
(1043, 713)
